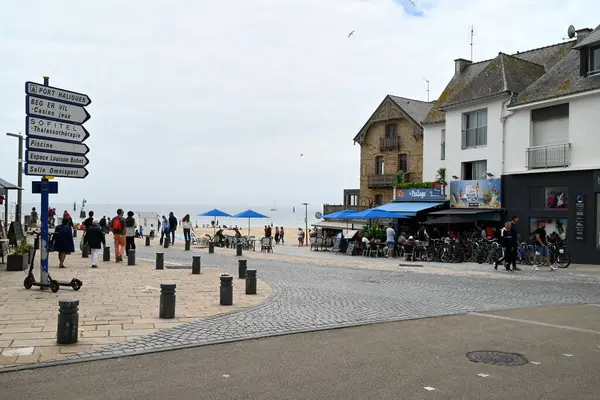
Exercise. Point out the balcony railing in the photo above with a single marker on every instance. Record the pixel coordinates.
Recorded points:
(381, 181)
(332, 208)
(551, 156)
(389, 143)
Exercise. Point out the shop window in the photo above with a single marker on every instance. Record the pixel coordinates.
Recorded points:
(598, 221)
(553, 227)
(556, 197)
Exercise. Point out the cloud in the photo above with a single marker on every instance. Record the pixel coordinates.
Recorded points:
(204, 102)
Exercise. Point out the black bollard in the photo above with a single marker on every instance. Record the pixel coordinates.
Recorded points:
(211, 247)
(68, 322)
(160, 260)
(226, 290)
(85, 252)
(187, 245)
(242, 265)
(251, 281)
(238, 250)
(196, 265)
(166, 243)
(147, 241)
(131, 257)
(106, 254)
(167, 301)
(74, 233)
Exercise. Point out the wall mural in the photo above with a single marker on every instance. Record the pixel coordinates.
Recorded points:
(483, 193)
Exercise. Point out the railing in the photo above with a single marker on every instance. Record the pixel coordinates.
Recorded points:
(389, 143)
(332, 208)
(381, 181)
(551, 156)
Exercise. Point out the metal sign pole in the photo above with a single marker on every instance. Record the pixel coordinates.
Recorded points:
(44, 220)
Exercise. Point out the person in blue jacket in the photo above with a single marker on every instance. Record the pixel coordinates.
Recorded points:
(63, 241)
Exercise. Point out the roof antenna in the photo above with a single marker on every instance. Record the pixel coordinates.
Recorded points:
(471, 43)
(427, 89)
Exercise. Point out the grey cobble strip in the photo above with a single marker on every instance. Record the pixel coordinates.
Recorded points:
(313, 297)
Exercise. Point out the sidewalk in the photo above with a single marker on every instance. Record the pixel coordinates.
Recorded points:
(117, 303)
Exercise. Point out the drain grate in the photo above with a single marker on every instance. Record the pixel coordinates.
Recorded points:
(498, 358)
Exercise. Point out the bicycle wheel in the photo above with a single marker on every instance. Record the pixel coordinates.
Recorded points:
(562, 260)
(430, 255)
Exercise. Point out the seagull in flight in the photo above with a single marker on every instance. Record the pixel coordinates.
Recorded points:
(351, 33)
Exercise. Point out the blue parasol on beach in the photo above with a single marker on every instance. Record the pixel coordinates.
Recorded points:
(338, 215)
(214, 213)
(249, 214)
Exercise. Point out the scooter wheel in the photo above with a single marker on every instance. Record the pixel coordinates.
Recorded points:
(54, 286)
(28, 282)
(76, 284)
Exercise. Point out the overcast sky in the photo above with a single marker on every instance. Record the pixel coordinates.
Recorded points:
(213, 101)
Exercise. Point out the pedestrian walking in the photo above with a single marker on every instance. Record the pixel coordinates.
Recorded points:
(118, 229)
(186, 224)
(95, 239)
(541, 248)
(507, 244)
(34, 217)
(130, 226)
(63, 241)
(281, 235)
(390, 240)
(165, 229)
(277, 233)
(102, 223)
(172, 226)
(515, 241)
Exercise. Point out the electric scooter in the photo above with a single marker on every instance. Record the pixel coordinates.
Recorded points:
(54, 285)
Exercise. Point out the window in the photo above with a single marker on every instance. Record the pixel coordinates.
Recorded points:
(379, 166)
(556, 197)
(474, 132)
(552, 226)
(443, 149)
(391, 130)
(403, 162)
(594, 61)
(351, 200)
(474, 170)
(378, 199)
(550, 126)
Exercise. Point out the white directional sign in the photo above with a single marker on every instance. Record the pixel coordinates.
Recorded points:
(54, 146)
(39, 107)
(43, 157)
(47, 129)
(56, 171)
(52, 93)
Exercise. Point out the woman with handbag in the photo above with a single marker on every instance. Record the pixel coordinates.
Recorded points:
(63, 241)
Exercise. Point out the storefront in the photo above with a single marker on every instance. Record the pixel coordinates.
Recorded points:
(415, 203)
(568, 202)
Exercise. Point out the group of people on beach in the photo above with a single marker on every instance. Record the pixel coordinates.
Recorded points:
(279, 233)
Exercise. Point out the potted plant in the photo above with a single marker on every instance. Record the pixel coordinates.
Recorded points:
(18, 256)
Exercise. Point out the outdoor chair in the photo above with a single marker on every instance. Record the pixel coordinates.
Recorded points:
(313, 244)
(328, 244)
(409, 252)
(350, 249)
(266, 245)
(319, 243)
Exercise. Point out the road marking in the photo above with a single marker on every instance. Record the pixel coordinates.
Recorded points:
(429, 388)
(568, 355)
(483, 375)
(536, 362)
(594, 305)
(526, 321)
(226, 376)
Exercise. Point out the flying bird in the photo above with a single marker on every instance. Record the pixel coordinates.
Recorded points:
(301, 154)
(351, 33)
(412, 2)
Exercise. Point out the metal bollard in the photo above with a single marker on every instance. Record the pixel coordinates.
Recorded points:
(226, 290)
(167, 301)
(106, 254)
(131, 257)
(85, 252)
(211, 247)
(166, 242)
(251, 281)
(160, 260)
(238, 250)
(147, 241)
(187, 245)
(68, 322)
(196, 265)
(74, 233)
(242, 265)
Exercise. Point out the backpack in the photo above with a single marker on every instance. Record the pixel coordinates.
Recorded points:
(116, 225)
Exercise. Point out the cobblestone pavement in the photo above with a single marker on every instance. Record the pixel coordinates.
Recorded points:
(308, 296)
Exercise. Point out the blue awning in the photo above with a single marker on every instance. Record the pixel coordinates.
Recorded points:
(408, 208)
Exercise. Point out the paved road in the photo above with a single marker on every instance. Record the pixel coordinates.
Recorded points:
(310, 297)
(385, 361)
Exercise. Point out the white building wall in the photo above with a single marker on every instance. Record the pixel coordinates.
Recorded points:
(584, 135)
(432, 139)
(492, 152)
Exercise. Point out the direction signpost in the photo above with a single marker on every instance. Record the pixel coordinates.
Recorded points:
(54, 137)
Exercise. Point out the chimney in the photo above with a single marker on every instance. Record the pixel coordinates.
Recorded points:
(460, 64)
(582, 33)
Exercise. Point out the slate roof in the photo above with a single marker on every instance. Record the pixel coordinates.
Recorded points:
(7, 185)
(501, 75)
(592, 38)
(545, 57)
(415, 109)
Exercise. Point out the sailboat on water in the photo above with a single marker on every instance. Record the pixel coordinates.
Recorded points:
(274, 206)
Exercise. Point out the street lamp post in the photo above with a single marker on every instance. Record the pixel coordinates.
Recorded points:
(18, 209)
(306, 222)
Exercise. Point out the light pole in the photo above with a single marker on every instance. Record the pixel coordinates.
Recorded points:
(18, 209)
(306, 221)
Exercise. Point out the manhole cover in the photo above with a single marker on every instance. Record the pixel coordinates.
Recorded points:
(498, 358)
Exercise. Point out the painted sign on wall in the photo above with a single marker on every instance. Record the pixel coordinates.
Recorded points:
(483, 193)
(419, 194)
